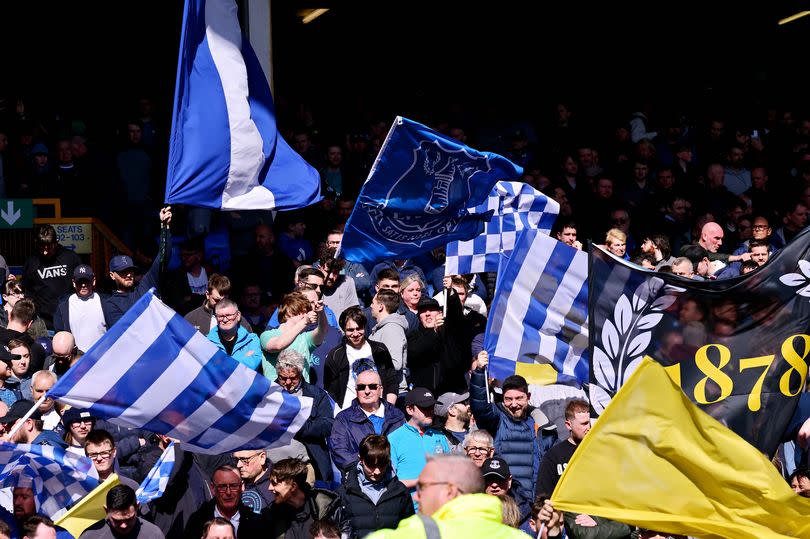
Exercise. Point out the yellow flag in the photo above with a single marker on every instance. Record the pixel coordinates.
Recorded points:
(89, 510)
(655, 460)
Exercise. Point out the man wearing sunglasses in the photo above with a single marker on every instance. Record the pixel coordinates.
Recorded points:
(226, 485)
(368, 414)
(64, 352)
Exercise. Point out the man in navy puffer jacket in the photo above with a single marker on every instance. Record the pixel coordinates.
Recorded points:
(511, 423)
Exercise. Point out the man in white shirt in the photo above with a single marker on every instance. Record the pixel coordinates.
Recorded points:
(84, 314)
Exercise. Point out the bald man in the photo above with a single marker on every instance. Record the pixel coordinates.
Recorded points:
(64, 352)
(450, 492)
(711, 238)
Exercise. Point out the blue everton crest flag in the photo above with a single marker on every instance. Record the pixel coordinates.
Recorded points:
(418, 193)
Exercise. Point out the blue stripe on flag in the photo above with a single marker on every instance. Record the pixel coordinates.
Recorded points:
(153, 362)
(225, 151)
(206, 385)
(539, 312)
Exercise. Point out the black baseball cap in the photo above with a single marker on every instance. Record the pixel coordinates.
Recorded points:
(18, 410)
(6, 356)
(428, 304)
(495, 467)
(421, 397)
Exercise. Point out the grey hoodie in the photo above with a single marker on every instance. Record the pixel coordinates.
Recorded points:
(390, 331)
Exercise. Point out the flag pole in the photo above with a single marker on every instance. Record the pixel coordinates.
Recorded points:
(540, 531)
(18, 425)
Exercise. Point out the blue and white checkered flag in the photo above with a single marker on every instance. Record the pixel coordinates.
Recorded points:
(58, 478)
(154, 485)
(516, 206)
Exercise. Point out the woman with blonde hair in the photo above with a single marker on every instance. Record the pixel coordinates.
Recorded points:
(410, 289)
(616, 243)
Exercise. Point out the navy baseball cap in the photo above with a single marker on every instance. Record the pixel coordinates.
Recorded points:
(83, 271)
(121, 262)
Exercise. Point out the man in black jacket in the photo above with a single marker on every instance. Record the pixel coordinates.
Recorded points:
(47, 273)
(316, 429)
(297, 505)
(434, 358)
(372, 496)
(227, 503)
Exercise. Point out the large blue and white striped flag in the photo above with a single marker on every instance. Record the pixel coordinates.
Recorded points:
(225, 151)
(58, 478)
(538, 322)
(516, 206)
(152, 370)
(154, 484)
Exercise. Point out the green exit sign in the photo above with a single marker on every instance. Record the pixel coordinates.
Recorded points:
(16, 213)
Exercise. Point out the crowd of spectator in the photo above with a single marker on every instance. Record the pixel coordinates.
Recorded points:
(404, 418)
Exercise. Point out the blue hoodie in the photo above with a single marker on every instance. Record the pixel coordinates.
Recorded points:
(247, 350)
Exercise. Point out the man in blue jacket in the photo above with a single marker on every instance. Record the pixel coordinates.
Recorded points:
(368, 414)
(511, 423)
(231, 337)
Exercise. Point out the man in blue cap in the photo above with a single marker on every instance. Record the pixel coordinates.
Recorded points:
(122, 272)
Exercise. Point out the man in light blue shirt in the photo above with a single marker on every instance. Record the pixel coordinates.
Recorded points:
(414, 440)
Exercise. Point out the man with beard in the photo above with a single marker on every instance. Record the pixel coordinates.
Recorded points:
(122, 273)
(519, 439)
(454, 409)
(122, 520)
(64, 352)
(47, 273)
(416, 438)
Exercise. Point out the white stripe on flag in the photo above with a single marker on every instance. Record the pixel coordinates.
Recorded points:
(519, 300)
(228, 396)
(104, 375)
(164, 390)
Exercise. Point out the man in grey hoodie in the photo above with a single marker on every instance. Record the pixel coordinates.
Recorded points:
(390, 330)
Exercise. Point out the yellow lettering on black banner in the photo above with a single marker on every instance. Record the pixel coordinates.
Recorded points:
(755, 397)
(795, 359)
(713, 373)
(797, 364)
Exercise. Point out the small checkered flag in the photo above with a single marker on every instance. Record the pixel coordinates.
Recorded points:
(58, 478)
(516, 206)
(154, 485)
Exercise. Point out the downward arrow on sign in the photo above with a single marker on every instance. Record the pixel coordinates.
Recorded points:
(9, 215)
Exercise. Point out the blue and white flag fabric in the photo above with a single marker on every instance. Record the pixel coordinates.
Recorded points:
(153, 371)
(516, 206)
(225, 151)
(154, 484)
(58, 478)
(417, 195)
(538, 322)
